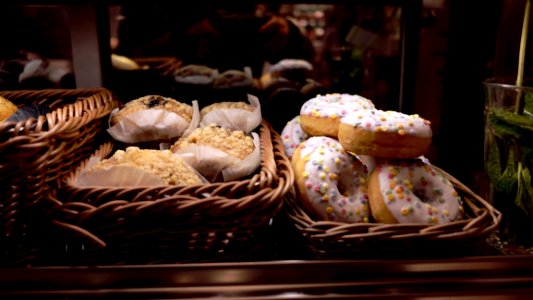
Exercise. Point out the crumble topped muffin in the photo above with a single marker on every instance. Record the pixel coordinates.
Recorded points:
(234, 115)
(226, 105)
(234, 143)
(171, 169)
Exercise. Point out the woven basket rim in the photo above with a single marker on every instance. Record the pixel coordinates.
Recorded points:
(91, 104)
(272, 186)
(485, 221)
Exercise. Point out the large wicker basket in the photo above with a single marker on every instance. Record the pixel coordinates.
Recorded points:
(334, 240)
(35, 154)
(208, 222)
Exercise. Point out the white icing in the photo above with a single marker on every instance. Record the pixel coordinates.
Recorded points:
(389, 121)
(415, 192)
(292, 135)
(368, 161)
(334, 105)
(335, 181)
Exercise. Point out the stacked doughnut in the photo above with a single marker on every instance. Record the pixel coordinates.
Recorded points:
(355, 163)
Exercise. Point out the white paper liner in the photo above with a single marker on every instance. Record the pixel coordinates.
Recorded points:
(211, 162)
(119, 175)
(247, 72)
(246, 166)
(291, 64)
(197, 79)
(195, 120)
(234, 118)
(152, 125)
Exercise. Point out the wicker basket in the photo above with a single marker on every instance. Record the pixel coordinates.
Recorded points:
(334, 240)
(208, 222)
(36, 153)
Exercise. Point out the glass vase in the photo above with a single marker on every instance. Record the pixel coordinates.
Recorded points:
(509, 157)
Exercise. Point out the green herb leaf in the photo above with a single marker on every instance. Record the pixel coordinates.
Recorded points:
(509, 123)
(524, 195)
(508, 181)
(528, 105)
(494, 170)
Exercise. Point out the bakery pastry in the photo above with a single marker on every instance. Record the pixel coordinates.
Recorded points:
(235, 143)
(139, 167)
(214, 151)
(233, 79)
(195, 74)
(331, 183)
(386, 134)
(236, 115)
(294, 71)
(154, 102)
(7, 108)
(411, 191)
(153, 118)
(320, 116)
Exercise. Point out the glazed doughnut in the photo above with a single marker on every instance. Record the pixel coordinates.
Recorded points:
(411, 191)
(388, 134)
(292, 135)
(320, 116)
(331, 183)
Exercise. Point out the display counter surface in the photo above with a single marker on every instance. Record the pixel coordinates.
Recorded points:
(482, 277)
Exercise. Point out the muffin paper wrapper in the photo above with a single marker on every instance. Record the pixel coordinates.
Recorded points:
(119, 175)
(246, 166)
(153, 124)
(197, 79)
(236, 119)
(211, 162)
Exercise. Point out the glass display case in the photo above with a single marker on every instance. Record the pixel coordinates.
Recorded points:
(425, 57)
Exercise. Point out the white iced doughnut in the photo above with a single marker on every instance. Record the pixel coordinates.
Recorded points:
(388, 134)
(320, 116)
(331, 183)
(410, 191)
(292, 135)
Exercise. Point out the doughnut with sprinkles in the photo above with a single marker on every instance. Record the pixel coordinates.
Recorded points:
(320, 116)
(332, 184)
(386, 134)
(411, 191)
(292, 135)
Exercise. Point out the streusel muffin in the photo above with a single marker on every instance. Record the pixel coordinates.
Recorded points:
(219, 153)
(145, 165)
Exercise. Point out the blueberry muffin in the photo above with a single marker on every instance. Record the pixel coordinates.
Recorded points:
(154, 102)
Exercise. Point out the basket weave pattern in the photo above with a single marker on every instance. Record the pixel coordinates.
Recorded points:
(37, 153)
(326, 239)
(214, 221)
